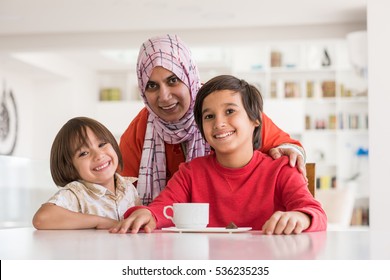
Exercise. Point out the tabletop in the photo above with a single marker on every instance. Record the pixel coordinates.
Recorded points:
(28, 243)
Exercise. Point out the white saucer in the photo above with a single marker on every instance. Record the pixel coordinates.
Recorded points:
(208, 229)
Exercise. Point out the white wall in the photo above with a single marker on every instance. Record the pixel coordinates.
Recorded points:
(379, 103)
(46, 98)
(107, 40)
(46, 101)
(23, 91)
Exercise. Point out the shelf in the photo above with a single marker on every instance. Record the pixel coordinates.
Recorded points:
(303, 71)
(354, 99)
(333, 132)
(321, 100)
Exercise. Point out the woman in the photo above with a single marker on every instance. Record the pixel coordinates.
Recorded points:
(164, 133)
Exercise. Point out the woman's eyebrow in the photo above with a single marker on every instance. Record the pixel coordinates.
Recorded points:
(165, 79)
(170, 77)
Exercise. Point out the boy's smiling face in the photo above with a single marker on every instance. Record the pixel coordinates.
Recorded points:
(97, 162)
(227, 127)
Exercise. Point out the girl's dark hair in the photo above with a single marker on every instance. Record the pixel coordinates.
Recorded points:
(251, 98)
(70, 137)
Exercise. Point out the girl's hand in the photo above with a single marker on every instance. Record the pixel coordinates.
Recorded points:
(138, 219)
(292, 222)
(105, 223)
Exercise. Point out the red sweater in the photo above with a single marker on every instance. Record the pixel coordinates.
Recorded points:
(132, 142)
(247, 196)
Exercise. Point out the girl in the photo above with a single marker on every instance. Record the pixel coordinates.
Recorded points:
(84, 160)
(164, 133)
(240, 183)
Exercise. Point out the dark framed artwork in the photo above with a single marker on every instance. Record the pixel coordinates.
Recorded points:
(8, 122)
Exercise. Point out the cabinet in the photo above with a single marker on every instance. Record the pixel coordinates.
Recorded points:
(310, 90)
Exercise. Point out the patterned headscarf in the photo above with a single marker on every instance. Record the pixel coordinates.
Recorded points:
(170, 52)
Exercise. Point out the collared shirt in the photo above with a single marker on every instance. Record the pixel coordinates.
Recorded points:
(88, 198)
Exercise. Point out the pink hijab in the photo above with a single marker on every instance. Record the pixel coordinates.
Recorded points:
(170, 52)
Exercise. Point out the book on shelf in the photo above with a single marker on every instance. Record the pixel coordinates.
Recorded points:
(332, 122)
(291, 90)
(307, 122)
(110, 94)
(276, 58)
(274, 89)
(328, 89)
(326, 182)
(353, 121)
(309, 89)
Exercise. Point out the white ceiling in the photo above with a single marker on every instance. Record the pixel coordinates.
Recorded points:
(31, 22)
(22, 17)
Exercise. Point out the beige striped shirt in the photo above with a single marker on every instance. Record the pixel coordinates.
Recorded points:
(88, 198)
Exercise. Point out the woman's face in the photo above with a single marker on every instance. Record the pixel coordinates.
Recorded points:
(168, 97)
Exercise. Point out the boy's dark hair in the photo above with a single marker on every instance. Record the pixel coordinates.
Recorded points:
(250, 96)
(70, 137)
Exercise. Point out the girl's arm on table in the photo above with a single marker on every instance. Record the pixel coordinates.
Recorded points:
(51, 216)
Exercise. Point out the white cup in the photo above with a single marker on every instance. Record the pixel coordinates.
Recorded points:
(189, 215)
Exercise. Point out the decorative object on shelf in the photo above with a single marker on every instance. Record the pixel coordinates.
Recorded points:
(326, 182)
(353, 121)
(345, 92)
(291, 89)
(276, 59)
(8, 123)
(320, 124)
(326, 61)
(110, 94)
(307, 122)
(332, 123)
(274, 89)
(309, 89)
(328, 89)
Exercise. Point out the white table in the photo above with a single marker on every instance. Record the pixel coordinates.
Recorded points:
(28, 243)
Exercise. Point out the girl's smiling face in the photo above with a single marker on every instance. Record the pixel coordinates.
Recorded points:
(167, 95)
(96, 162)
(227, 127)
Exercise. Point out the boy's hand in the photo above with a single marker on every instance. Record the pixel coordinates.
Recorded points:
(138, 219)
(292, 222)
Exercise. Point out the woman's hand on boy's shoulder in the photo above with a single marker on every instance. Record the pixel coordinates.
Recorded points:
(295, 158)
(141, 218)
